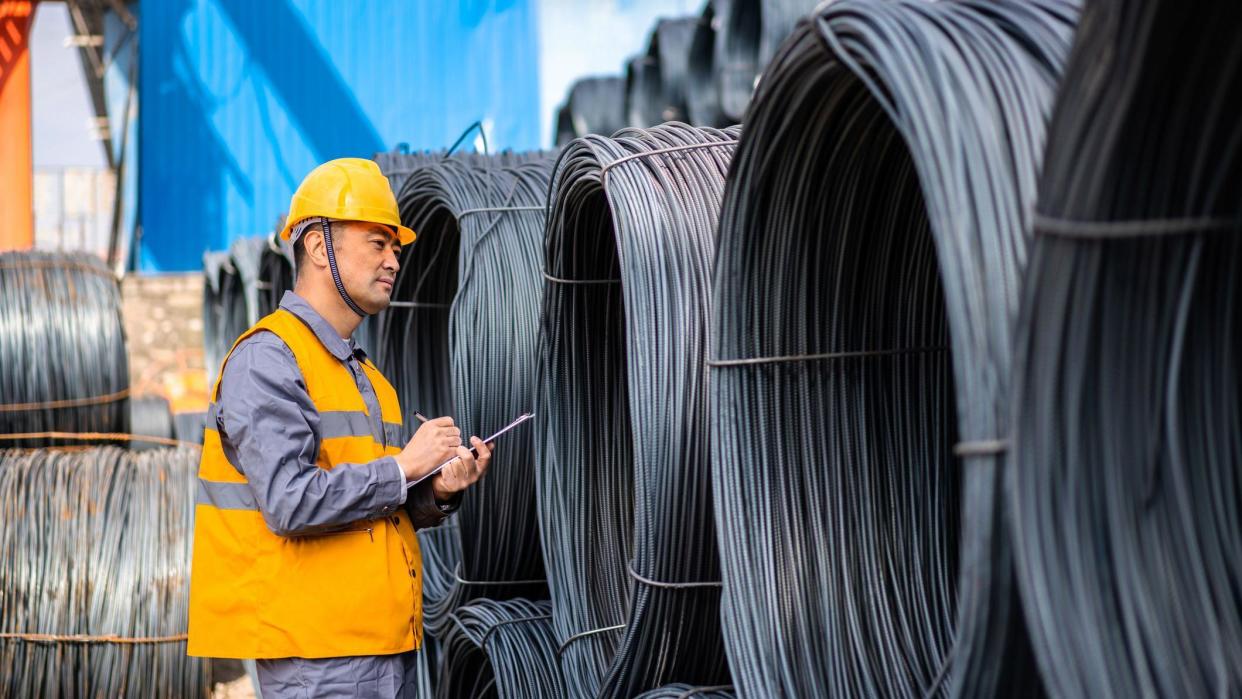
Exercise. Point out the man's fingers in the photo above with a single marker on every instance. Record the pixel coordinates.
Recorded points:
(445, 421)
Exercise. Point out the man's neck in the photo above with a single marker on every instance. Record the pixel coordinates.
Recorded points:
(328, 303)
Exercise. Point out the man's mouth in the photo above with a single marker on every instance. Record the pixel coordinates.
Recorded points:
(387, 282)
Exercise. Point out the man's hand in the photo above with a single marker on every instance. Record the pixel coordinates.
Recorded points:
(435, 442)
(463, 471)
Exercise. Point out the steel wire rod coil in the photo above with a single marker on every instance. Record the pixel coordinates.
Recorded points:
(503, 649)
(151, 416)
(461, 339)
(624, 489)
(735, 61)
(702, 90)
(214, 347)
(95, 569)
(871, 241)
(682, 690)
(1126, 471)
(595, 105)
(63, 363)
(643, 96)
(276, 273)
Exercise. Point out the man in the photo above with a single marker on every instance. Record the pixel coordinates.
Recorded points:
(304, 557)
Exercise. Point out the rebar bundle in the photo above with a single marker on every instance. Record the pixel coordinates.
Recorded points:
(1126, 470)
(501, 649)
(95, 569)
(624, 490)
(63, 365)
(871, 241)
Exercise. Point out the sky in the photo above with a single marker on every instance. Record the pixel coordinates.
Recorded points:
(60, 103)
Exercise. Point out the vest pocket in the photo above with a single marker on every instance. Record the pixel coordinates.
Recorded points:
(343, 591)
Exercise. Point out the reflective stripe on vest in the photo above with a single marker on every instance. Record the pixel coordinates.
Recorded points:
(356, 591)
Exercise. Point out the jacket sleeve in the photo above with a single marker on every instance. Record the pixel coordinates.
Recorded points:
(269, 428)
(423, 509)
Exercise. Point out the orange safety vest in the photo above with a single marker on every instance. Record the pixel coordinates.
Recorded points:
(254, 594)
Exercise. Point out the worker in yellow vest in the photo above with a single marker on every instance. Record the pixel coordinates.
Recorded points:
(305, 556)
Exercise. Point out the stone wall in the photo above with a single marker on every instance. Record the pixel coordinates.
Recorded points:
(164, 328)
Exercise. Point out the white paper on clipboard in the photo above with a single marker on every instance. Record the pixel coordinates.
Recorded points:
(520, 419)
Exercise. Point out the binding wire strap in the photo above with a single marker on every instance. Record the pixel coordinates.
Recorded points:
(880, 201)
(95, 571)
(1126, 475)
(624, 472)
(63, 365)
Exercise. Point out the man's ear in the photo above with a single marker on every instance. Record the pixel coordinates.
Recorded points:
(316, 252)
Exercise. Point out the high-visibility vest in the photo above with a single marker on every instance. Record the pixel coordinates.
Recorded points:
(254, 594)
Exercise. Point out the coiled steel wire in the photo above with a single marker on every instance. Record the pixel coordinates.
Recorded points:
(702, 89)
(1126, 471)
(150, 416)
(624, 489)
(63, 364)
(670, 46)
(686, 691)
(501, 649)
(214, 347)
(460, 339)
(95, 569)
(644, 99)
(595, 105)
(736, 59)
(276, 274)
(871, 241)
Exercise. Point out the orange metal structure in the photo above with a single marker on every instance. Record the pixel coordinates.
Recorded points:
(16, 156)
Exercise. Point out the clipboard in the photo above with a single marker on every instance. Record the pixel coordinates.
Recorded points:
(520, 419)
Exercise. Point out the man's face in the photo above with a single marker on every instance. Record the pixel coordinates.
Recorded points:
(366, 256)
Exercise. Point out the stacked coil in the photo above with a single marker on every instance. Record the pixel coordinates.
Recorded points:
(95, 568)
(871, 242)
(702, 92)
(275, 275)
(624, 485)
(460, 339)
(1126, 474)
(501, 649)
(62, 348)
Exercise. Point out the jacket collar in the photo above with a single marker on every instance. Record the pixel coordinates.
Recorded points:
(338, 347)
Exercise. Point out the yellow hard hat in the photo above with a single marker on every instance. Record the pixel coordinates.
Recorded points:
(349, 189)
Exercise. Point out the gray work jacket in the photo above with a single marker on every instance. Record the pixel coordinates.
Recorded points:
(270, 431)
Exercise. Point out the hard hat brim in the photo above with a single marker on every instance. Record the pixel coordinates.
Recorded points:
(405, 235)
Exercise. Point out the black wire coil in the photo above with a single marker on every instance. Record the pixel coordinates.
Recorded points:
(871, 240)
(682, 690)
(702, 90)
(96, 544)
(623, 482)
(1126, 474)
(460, 340)
(275, 274)
(501, 649)
(63, 364)
(150, 416)
(596, 105)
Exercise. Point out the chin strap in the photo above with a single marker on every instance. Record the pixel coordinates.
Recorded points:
(336, 275)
